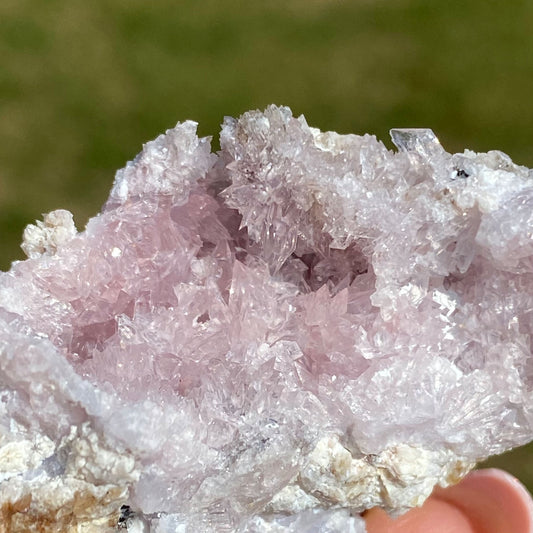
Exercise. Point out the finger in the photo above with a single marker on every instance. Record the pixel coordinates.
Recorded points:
(435, 516)
(493, 501)
(486, 501)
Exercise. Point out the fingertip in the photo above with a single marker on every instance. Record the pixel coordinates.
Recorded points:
(486, 501)
(493, 501)
(435, 516)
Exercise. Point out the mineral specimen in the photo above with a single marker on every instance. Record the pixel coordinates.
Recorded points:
(272, 338)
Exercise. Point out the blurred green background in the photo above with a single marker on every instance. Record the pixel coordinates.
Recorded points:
(84, 83)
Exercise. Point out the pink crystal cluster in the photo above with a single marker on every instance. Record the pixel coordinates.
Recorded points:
(238, 322)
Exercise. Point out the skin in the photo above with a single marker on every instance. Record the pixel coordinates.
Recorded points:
(486, 501)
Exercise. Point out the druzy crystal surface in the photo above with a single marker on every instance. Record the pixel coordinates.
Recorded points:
(275, 337)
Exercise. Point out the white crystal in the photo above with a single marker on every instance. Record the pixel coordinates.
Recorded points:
(45, 237)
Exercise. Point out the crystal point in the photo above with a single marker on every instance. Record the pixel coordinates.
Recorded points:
(420, 140)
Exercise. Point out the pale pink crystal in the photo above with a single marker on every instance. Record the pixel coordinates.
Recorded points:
(299, 327)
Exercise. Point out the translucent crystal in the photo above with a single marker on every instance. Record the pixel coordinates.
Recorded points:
(273, 338)
(420, 140)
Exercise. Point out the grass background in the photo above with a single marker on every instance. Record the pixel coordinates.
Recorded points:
(84, 84)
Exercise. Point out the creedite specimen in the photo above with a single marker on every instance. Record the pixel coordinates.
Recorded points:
(272, 338)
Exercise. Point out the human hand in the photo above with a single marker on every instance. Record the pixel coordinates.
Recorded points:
(486, 501)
